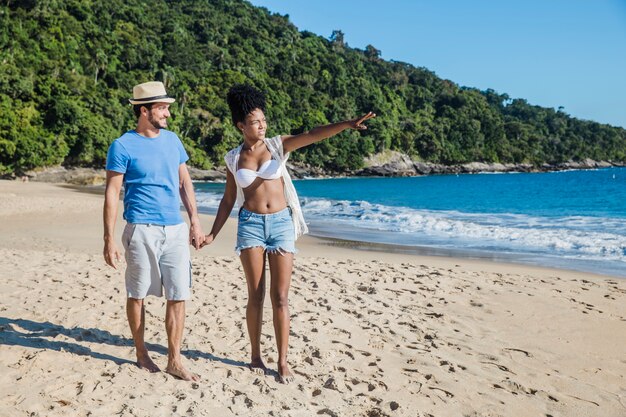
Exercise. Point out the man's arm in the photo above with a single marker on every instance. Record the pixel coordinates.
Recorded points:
(188, 196)
(111, 201)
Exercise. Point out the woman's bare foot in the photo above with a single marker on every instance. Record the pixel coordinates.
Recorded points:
(284, 374)
(144, 362)
(179, 371)
(257, 366)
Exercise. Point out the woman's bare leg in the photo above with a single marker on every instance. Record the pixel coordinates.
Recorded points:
(281, 267)
(253, 262)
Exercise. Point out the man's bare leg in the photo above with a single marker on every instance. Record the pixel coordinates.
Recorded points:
(174, 325)
(136, 313)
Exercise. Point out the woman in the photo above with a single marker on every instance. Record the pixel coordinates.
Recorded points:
(270, 218)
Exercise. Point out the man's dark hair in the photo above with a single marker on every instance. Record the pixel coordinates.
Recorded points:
(137, 108)
(242, 100)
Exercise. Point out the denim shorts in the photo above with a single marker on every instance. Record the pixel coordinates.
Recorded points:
(273, 232)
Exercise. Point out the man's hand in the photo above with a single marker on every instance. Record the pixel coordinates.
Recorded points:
(208, 239)
(111, 254)
(109, 215)
(196, 235)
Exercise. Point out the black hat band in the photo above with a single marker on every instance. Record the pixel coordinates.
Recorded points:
(151, 98)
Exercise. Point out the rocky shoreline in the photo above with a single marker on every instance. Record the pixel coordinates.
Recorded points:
(397, 164)
(92, 176)
(388, 164)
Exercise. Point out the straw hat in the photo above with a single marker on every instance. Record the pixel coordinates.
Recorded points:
(150, 92)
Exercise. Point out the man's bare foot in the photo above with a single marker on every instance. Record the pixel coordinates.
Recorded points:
(144, 362)
(284, 374)
(258, 367)
(180, 372)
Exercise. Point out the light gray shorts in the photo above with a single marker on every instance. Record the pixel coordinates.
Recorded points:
(157, 257)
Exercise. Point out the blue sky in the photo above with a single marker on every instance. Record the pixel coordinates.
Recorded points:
(569, 53)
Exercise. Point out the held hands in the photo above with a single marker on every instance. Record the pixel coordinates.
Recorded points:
(196, 236)
(208, 239)
(358, 122)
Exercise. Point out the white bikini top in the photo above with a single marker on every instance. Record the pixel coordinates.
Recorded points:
(275, 146)
(269, 170)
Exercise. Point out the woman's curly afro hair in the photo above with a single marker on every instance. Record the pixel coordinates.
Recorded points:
(242, 100)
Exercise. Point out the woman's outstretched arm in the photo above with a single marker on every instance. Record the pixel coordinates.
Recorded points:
(293, 142)
(224, 209)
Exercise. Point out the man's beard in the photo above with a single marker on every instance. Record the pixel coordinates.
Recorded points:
(156, 124)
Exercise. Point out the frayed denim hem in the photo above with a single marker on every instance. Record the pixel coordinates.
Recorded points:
(271, 250)
(281, 251)
(238, 249)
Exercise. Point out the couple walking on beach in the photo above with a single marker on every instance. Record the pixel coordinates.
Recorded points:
(150, 162)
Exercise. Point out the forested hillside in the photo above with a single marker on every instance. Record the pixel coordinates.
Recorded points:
(67, 68)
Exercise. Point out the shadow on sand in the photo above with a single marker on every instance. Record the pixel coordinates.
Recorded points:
(35, 335)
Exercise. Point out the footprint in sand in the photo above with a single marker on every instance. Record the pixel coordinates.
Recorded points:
(376, 343)
(447, 393)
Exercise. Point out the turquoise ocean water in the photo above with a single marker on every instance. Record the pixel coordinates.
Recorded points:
(568, 219)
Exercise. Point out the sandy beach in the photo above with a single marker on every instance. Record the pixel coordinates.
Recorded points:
(373, 333)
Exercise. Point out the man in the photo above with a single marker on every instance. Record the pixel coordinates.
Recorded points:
(150, 162)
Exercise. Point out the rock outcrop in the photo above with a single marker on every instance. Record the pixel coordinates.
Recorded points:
(76, 176)
(389, 164)
(208, 175)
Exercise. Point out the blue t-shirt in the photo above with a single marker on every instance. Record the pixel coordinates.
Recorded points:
(151, 181)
